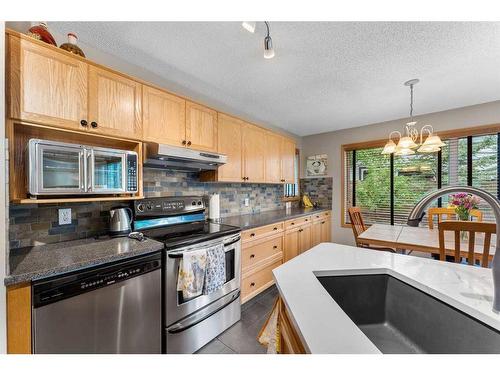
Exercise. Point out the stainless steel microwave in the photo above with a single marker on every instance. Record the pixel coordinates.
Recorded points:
(57, 168)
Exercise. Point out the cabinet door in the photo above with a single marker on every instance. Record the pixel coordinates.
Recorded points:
(273, 157)
(326, 229)
(115, 104)
(305, 238)
(201, 127)
(229, 143)
(287, 160)
(254, 151)
(46, 86)
(291, 244)
(164, 117)
(316, 233)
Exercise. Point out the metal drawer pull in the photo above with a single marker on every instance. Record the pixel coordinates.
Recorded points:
(252, 256)
(275, 246)
(252, 234)
(322, 222)
(275, 228)
(301, 230)
(252, 284)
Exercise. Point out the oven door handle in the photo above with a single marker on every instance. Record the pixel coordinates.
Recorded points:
(206, 313)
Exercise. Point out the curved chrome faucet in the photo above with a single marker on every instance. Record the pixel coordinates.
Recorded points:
(417, 214)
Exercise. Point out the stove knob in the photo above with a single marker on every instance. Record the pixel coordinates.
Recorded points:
(140, 207)
(199, 203)
(149, 206)
(193, 203)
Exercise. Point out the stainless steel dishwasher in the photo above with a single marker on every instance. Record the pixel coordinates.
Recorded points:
(109, 309)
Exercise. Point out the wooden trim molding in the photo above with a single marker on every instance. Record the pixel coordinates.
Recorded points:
(19, 319)
(456, 133)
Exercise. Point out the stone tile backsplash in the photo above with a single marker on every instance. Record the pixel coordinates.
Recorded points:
(319, 189)
(38, 224)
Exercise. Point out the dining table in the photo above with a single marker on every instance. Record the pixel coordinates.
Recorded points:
(406, 238)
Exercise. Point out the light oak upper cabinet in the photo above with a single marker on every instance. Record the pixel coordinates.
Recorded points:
(201, 127)
(273, 157)
(254, 153)
(115, 104)
(164, 118)
(230, 144)
(46, 86)
(287, 160)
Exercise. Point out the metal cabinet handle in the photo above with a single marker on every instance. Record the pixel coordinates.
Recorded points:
(83, 122)
(252, 234)
(301, 230)
(252, 256)
(275, 228)
(292, 223)
(306, 220)
(184, 142)
(252, 284)
(322, 222)
(90, 173)
(189, 143)
(275, 247)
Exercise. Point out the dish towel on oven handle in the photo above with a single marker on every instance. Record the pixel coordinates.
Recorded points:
(215, 275)
(192, 270)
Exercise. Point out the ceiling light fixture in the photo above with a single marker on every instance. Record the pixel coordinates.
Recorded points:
(249, 26)
(268, 42)
(407, 143)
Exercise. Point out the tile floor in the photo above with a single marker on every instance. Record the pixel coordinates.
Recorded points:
(241, 338)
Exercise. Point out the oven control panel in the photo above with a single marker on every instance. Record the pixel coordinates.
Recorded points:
(168, 206)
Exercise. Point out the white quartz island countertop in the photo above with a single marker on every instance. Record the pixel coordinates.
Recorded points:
(325, 328)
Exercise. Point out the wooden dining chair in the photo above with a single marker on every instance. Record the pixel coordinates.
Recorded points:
(358, 227)
(448, 214)
(472, 227)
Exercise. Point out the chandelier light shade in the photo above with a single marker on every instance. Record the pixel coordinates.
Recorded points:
(408, 142)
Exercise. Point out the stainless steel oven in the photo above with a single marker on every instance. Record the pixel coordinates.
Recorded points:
(57, 168)
(192, 323)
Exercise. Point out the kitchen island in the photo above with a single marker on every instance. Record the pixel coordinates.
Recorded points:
(322, 325)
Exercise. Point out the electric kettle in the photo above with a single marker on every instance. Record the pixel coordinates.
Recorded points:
(120, 223)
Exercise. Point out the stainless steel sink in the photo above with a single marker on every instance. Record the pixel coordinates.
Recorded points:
(399, 318)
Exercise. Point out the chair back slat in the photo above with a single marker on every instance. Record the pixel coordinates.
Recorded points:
(472, 227)
(448, 214)
(357, 223)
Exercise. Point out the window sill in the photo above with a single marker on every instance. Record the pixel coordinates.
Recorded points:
(290, 199)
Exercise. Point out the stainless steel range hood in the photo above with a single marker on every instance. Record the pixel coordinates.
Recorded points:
(163, 156)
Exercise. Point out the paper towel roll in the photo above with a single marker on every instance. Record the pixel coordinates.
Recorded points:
(214, 207)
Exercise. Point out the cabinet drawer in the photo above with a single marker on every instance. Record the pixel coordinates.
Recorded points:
(258, 281)
(292, 223)
(321, 216)
(262, 250)
(260, 232)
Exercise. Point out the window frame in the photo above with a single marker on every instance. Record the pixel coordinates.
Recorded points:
(456, 133)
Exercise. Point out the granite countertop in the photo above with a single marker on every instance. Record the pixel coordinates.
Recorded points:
(325, 328)
(249, 221)
(38, 262)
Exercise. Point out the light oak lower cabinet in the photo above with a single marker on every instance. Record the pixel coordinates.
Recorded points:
(115, 104)
(19, 319)
(44, 85)
(298, 237)
(321, 230)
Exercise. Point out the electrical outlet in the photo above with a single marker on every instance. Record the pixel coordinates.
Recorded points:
(247, 202)
(64, 216)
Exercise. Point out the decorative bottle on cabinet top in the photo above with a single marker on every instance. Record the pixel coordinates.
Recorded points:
(41, 32)
(71, 45)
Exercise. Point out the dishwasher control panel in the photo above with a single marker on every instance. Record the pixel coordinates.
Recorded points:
(81, 282)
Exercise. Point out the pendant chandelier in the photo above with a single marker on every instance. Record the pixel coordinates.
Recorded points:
(407, 143)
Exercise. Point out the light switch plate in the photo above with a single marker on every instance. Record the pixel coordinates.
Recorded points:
(64, 216)
(247, 202)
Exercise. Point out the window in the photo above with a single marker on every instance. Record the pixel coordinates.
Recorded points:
(292, 190)
(387, 187)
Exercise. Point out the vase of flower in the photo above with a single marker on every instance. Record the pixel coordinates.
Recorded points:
(464, 203)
